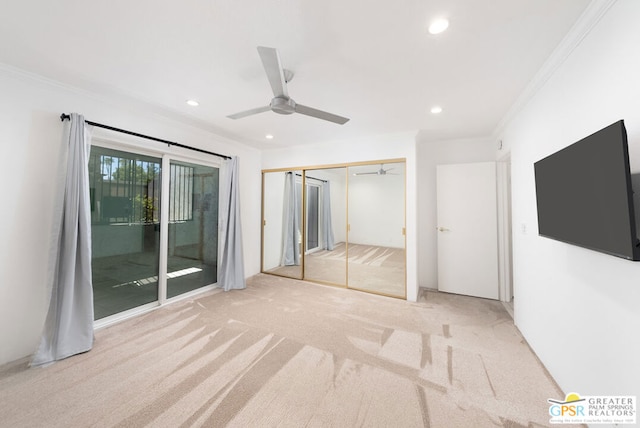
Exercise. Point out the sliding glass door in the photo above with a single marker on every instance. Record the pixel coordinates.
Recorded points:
(193, 227)
(127, 216)
(125, 229)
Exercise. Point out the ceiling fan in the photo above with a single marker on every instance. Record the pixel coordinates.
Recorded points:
(281, 103)
(381, 171)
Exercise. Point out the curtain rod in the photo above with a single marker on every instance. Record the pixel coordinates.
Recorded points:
(64, 117)
(313, 178)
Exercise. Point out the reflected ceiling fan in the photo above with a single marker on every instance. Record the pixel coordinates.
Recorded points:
(381, 171)
(281, 103)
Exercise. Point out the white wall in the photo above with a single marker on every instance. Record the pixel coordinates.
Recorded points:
(579, 309)
(366, 149)
(429, 155)
(30, 147)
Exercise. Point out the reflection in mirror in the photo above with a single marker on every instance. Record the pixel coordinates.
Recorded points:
(282, 223)
(326, 225)
(376, 241)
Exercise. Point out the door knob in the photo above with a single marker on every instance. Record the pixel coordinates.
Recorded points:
(442, 229)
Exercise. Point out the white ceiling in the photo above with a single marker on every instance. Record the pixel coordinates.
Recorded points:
(370, 60)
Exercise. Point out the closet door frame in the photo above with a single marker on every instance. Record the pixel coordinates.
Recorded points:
(311, 168)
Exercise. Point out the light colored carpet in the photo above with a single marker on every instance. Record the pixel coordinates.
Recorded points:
(371, 268)
(293, 354)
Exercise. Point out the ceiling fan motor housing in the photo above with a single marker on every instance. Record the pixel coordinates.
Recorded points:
(283, 105)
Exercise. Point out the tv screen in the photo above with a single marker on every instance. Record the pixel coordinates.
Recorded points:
(585, 197)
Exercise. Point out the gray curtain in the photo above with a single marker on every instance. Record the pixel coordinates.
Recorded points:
(231, 261)
(327, 227)
(290, 223)
(68, 327)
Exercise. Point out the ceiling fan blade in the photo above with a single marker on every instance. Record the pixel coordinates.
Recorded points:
(366, 173)
(249, 112)
(273, 68)
(309, 111)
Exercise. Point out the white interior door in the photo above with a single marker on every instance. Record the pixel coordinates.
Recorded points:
(467, 229)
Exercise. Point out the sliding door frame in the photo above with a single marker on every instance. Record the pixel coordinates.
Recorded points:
(166, 156)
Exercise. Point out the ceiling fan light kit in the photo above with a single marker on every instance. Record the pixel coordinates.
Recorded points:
(281, 102)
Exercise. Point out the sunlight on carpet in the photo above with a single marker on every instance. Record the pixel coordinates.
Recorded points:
(290, 353)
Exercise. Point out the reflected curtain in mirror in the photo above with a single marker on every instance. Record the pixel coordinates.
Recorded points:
(327, 225)
(290, 223)
(280, 208)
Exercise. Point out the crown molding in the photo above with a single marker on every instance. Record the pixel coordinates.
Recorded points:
(115, 97)
(581, 28)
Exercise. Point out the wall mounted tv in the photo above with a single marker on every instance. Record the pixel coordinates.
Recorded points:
(585, 197)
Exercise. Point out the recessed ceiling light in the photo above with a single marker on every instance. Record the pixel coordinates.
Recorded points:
(269, 137)
(438, 26)
(193, 103)
(436, 109)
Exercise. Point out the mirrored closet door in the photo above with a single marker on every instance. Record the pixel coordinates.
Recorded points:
(341, 225)
(282, 223)
(376, 228)
(325, 257)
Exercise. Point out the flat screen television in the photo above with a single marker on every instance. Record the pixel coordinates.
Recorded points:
(585, 196)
